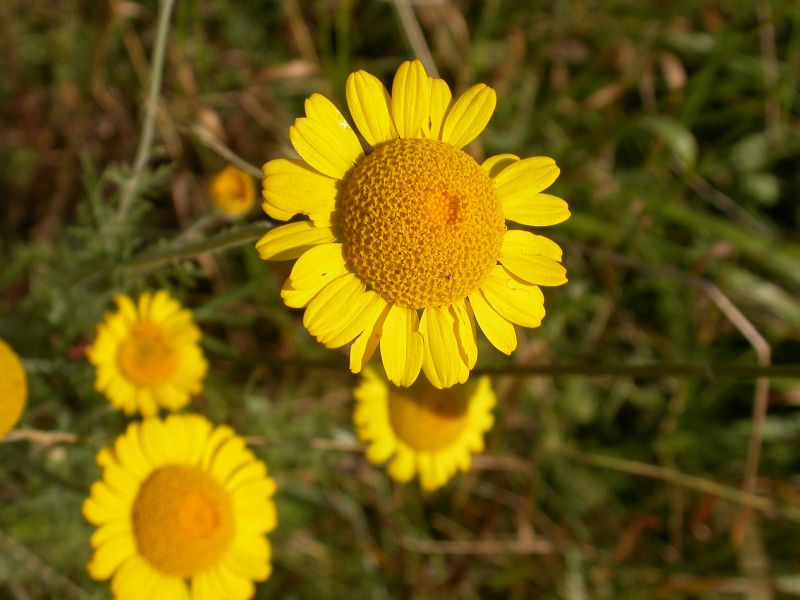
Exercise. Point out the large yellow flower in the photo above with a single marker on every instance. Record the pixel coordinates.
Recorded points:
(13, 388)
(414, 225)
(148, 355)
(424, 430)
(181, 512)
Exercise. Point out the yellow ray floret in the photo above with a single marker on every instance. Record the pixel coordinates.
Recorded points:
(407, 248)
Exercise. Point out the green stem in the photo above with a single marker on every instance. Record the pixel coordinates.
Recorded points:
(151, 107)
(228, 239)
(706, 486)
(650, 371)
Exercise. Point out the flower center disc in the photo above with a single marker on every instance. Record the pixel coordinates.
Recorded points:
(425, 418)
(146, 357)
(421, 222)
(182, 520)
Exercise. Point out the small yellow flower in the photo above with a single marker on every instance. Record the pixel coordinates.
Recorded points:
(424, 430)
(148, 355)
(233, 192)
(181, 512)
(13, 389)
(407, 248)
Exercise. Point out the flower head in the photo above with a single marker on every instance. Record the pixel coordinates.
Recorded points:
(428, 432)
(181, 512)
(13, 388)
(147, 354)
(233, 192)
(407, 247)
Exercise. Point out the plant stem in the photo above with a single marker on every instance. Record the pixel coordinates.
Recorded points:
(151, 107)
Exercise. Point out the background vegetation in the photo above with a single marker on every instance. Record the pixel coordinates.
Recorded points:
(631, 472)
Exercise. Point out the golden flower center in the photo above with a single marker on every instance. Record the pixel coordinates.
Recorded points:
(182, 520)
(147, 356)
(421, 222)
(425, 418)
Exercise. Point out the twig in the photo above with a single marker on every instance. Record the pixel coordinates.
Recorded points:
(760, 402)
(410, 24)
(480, 547)
(300, 32)
(769, 57)
(706, 486)
(723, 202)
(44, 438)
(43, 572)
(208, 139)
(337, 445)
(650, 371)
(151, 107)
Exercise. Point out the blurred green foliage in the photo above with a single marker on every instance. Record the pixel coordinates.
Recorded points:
(676, 126)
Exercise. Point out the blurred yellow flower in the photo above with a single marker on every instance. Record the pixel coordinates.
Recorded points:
(13, 388)
(414, 225)
(148, 355)
(233, 192)
(425, 431)
(181, 512)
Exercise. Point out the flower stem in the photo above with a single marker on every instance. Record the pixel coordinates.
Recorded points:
(151, 107)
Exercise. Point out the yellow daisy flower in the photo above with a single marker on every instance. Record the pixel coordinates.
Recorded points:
(406, 248)
(181, 512)
(148, 354)
(233, 192)
(429, 432)
(13, 388)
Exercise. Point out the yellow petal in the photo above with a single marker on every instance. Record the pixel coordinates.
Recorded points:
(538, 210)
(431, 476)
(403, 467)
(364, 313)
(381, 449)
(519, 181)
(497, 330)
(227, 458)
(469, 115)
(514, 300)
(495, 164)
(110, 555)
(370, 106)
(533, 258)
(442, 361)
(410, 99)
(249, 555)
(292, 187)
(401, 345)
(440, 102)
(313, 271)
(467, 337)
(328, 312)
(324, 139)
(291, 241)
(366, 343)
(135, 578)
(517, 241)
(277, 213)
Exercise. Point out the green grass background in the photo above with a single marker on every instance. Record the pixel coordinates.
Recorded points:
(677, 129)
